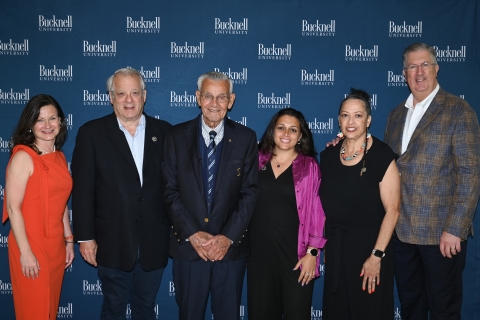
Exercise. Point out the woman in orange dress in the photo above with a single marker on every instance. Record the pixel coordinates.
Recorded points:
(37, 189)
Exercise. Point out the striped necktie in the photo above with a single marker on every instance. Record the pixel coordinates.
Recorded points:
(211, 166)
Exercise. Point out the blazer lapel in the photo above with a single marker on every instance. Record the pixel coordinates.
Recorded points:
(118, 138)
(432, 111)
(229, 138)
(398, 130)
(191, 139)
(151, 141)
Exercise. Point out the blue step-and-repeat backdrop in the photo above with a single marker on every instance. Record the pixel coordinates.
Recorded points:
(279, 53)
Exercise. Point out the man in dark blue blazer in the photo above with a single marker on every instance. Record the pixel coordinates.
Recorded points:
(210, 176)
(118, 213)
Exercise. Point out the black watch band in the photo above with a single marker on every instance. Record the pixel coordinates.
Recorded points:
(378, 253)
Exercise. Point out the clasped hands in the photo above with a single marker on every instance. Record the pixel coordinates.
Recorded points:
(209, 247)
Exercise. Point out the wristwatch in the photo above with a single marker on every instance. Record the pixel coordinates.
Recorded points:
(313, 252)
(378, 253)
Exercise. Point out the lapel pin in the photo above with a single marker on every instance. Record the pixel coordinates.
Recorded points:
(154, 139)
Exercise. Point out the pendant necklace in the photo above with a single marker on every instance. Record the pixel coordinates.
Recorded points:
(279, 163)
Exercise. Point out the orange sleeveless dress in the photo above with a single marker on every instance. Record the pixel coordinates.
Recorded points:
(46, 196)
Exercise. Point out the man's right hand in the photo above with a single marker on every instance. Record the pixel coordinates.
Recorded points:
(197, 239)
(334, 142)
(88, 250)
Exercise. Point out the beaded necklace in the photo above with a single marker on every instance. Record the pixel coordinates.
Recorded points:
(42, 151)
(342, 153)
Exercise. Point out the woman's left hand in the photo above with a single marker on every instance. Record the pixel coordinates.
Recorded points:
(70, 254)
(307, 272)
(371, 273)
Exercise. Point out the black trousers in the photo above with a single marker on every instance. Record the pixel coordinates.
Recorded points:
(427, 281)
(137, 287)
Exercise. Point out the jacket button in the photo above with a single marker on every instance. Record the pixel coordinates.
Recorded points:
(206, 220)
(239, 241)
(175, 233)
(178, 240)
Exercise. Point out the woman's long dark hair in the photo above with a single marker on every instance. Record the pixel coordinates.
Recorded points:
(23, 132)
(306, 146)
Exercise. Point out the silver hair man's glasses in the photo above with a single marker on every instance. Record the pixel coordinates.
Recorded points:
(414, 67)
(220, 99)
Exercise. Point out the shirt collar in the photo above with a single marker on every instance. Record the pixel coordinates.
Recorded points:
(206, 129)
(425, 102)
(141, 124)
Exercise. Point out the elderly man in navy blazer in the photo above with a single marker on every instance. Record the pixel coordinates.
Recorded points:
(437, 136)
(118, 213)
(210, 178)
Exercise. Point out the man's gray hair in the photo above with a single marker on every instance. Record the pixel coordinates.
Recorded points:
(419, 46)
(125, 72)
(215, 76)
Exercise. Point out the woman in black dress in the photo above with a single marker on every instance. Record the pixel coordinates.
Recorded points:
(360, 194)
(286, 231)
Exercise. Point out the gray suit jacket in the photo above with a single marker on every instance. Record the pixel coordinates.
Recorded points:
(440, 182)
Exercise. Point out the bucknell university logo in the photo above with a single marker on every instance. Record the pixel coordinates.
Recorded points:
(396, 80)
(55, 24)
(56, 74)
(65, 312)
(143, 26)
(361, 54)
(14, 97)
(316, 29)
(404, 30)
(231, 27)
(274, 52)
(273, 102)
(5, 146)
(92, 289)
(5, 287)
(238, 77)
(95, 98)
(451, 55)
(14, 48)
(99, 49)
(187, 51)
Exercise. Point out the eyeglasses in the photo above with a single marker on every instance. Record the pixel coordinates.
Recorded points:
(220, 99)
(423, 66)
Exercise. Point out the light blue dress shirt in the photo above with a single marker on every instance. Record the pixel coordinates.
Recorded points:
(136, 144)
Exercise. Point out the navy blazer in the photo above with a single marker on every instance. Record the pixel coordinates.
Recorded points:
(110, 205)
(235, 194)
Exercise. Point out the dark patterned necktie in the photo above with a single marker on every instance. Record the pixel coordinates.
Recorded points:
(211, 166)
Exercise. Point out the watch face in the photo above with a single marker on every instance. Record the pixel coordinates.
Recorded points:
(378, 253)
(314, 252)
